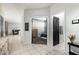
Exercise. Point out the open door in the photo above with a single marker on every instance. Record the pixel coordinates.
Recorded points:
(55, 31)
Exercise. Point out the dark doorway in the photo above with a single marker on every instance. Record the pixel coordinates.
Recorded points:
(55, 31)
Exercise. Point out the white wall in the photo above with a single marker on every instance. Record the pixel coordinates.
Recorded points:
(40, 12)
(0, 10)
(71, 12)
(12, 13)
(34, 13)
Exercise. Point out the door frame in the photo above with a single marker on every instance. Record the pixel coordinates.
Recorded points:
(47, 17)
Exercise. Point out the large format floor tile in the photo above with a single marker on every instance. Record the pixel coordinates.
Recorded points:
(38, 49)
(18, 47)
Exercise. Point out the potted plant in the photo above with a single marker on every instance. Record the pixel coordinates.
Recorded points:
(71, 37)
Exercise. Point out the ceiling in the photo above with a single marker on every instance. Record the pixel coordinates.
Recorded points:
(29, 5)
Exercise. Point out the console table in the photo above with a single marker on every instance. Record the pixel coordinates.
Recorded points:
(74, 45)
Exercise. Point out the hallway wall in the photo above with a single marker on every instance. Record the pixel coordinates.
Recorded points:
(71, 12)
(0, 9)
(34, 13)
(14, 14)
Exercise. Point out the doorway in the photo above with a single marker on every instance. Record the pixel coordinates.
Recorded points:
(39, 30)
(59, 29)
(59, 32)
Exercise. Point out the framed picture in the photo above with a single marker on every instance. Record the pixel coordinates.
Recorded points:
(26, 26)
(75, 21)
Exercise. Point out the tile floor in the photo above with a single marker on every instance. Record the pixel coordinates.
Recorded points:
(37, 49)
(16, 46)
